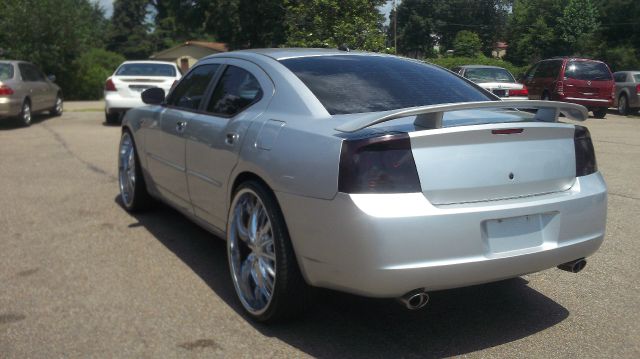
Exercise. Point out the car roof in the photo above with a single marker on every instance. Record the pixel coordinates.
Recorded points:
(627, 72)
(148, 62)
(287, 53)
(481, 67)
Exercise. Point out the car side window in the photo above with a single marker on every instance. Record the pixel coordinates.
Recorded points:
(27, 73)
(190, 91)
(236, 90)
(622, 77)
(532, 72)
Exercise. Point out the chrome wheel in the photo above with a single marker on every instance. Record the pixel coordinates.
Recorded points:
(622, 105)
(251, 251)
(26, 113)
(58, 107)
(127, 169)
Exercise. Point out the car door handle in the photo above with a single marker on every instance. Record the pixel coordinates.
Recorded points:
(231, 138)
(180, 126)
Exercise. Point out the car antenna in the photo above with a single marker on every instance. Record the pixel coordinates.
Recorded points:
(344, 47)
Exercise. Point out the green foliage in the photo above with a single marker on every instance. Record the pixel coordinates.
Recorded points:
(91, 70)
(451, 62)
(579, 20)
(129, 31)
(622, 58)
(247, 23)
(332, 23)
(467, 44)
(51, 33)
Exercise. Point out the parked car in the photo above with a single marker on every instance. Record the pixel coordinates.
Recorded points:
(370, 174)
(494, 79)
(582, 81)
(24, 91)
(627, 91)
(122, 90)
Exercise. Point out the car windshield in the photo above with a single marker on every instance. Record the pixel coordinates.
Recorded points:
(6, 71)
(587, 70)
(636, 77)
(146, 70)
(488, 74)
(347, 84)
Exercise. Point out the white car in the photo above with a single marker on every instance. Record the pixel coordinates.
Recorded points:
(122, 90)
(496, 80)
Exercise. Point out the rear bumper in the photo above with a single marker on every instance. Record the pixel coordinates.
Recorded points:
(387, 245)
(114, 102)
(586, 102)
(10, 107)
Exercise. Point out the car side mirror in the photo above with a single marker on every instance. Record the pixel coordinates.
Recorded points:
(52, 78)
(153, 96)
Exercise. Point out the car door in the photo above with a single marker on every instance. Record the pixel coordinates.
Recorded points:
(241, 94)
(36, 86)
(529, 80)
(165, 141)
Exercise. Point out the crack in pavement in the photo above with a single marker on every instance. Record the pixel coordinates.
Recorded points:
(92, 167)
(618, 143)
(624, 196)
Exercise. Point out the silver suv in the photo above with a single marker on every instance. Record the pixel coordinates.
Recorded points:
(24, 90)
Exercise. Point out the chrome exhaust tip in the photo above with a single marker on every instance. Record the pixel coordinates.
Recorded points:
(574, 266)
(415, 299)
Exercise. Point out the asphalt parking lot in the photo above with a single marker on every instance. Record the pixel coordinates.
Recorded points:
(80, 277)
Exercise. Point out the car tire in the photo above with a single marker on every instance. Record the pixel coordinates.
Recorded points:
(623, 105)
(112, 118)
(600, 112)
(133, 189)
(25, 116)
(545, 96)
(262, 262)
(58, 107)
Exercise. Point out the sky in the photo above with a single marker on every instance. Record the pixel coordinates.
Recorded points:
(108, 6)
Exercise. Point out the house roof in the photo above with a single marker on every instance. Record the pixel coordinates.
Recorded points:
(500, 45)
(216, 46)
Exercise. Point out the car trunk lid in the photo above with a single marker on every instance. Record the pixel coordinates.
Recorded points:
(494, 161)
(131, 86)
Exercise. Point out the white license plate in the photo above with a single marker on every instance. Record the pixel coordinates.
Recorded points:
(509, 234)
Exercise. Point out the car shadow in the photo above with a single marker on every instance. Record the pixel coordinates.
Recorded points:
(8, 124)
(455, 322)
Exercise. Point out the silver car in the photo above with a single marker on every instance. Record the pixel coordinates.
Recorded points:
(24, 90)
(370, 174)
(627, 97)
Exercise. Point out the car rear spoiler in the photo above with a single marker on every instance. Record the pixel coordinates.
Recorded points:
(430, 117)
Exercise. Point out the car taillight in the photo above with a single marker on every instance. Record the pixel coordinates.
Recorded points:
(109, 85)
(382, 164)
(585, 154)
(5, 90)
(560, 87)
(638, 89)
(522, 92)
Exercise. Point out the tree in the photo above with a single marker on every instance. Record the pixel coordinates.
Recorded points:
(467, 44)
(51, 33)
(532, 32)
(129, 31)
(578, 22)
(92, 68)
(332, 23)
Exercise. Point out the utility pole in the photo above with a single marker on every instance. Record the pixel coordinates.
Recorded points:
(395, 27)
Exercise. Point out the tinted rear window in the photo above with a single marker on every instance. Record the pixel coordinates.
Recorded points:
(353, 84)
(146, 70)
(488, 74)
(587, 70)
(6, 71)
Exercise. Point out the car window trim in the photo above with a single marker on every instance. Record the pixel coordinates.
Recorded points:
(219, 76)
(198, 110)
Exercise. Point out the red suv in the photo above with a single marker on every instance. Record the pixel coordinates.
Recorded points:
(582, 81)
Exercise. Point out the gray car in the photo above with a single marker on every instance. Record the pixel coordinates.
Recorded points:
(627, 98)
(370, 174)
(24, 90)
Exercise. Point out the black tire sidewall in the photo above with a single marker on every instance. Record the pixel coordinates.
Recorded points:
(623, 110)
